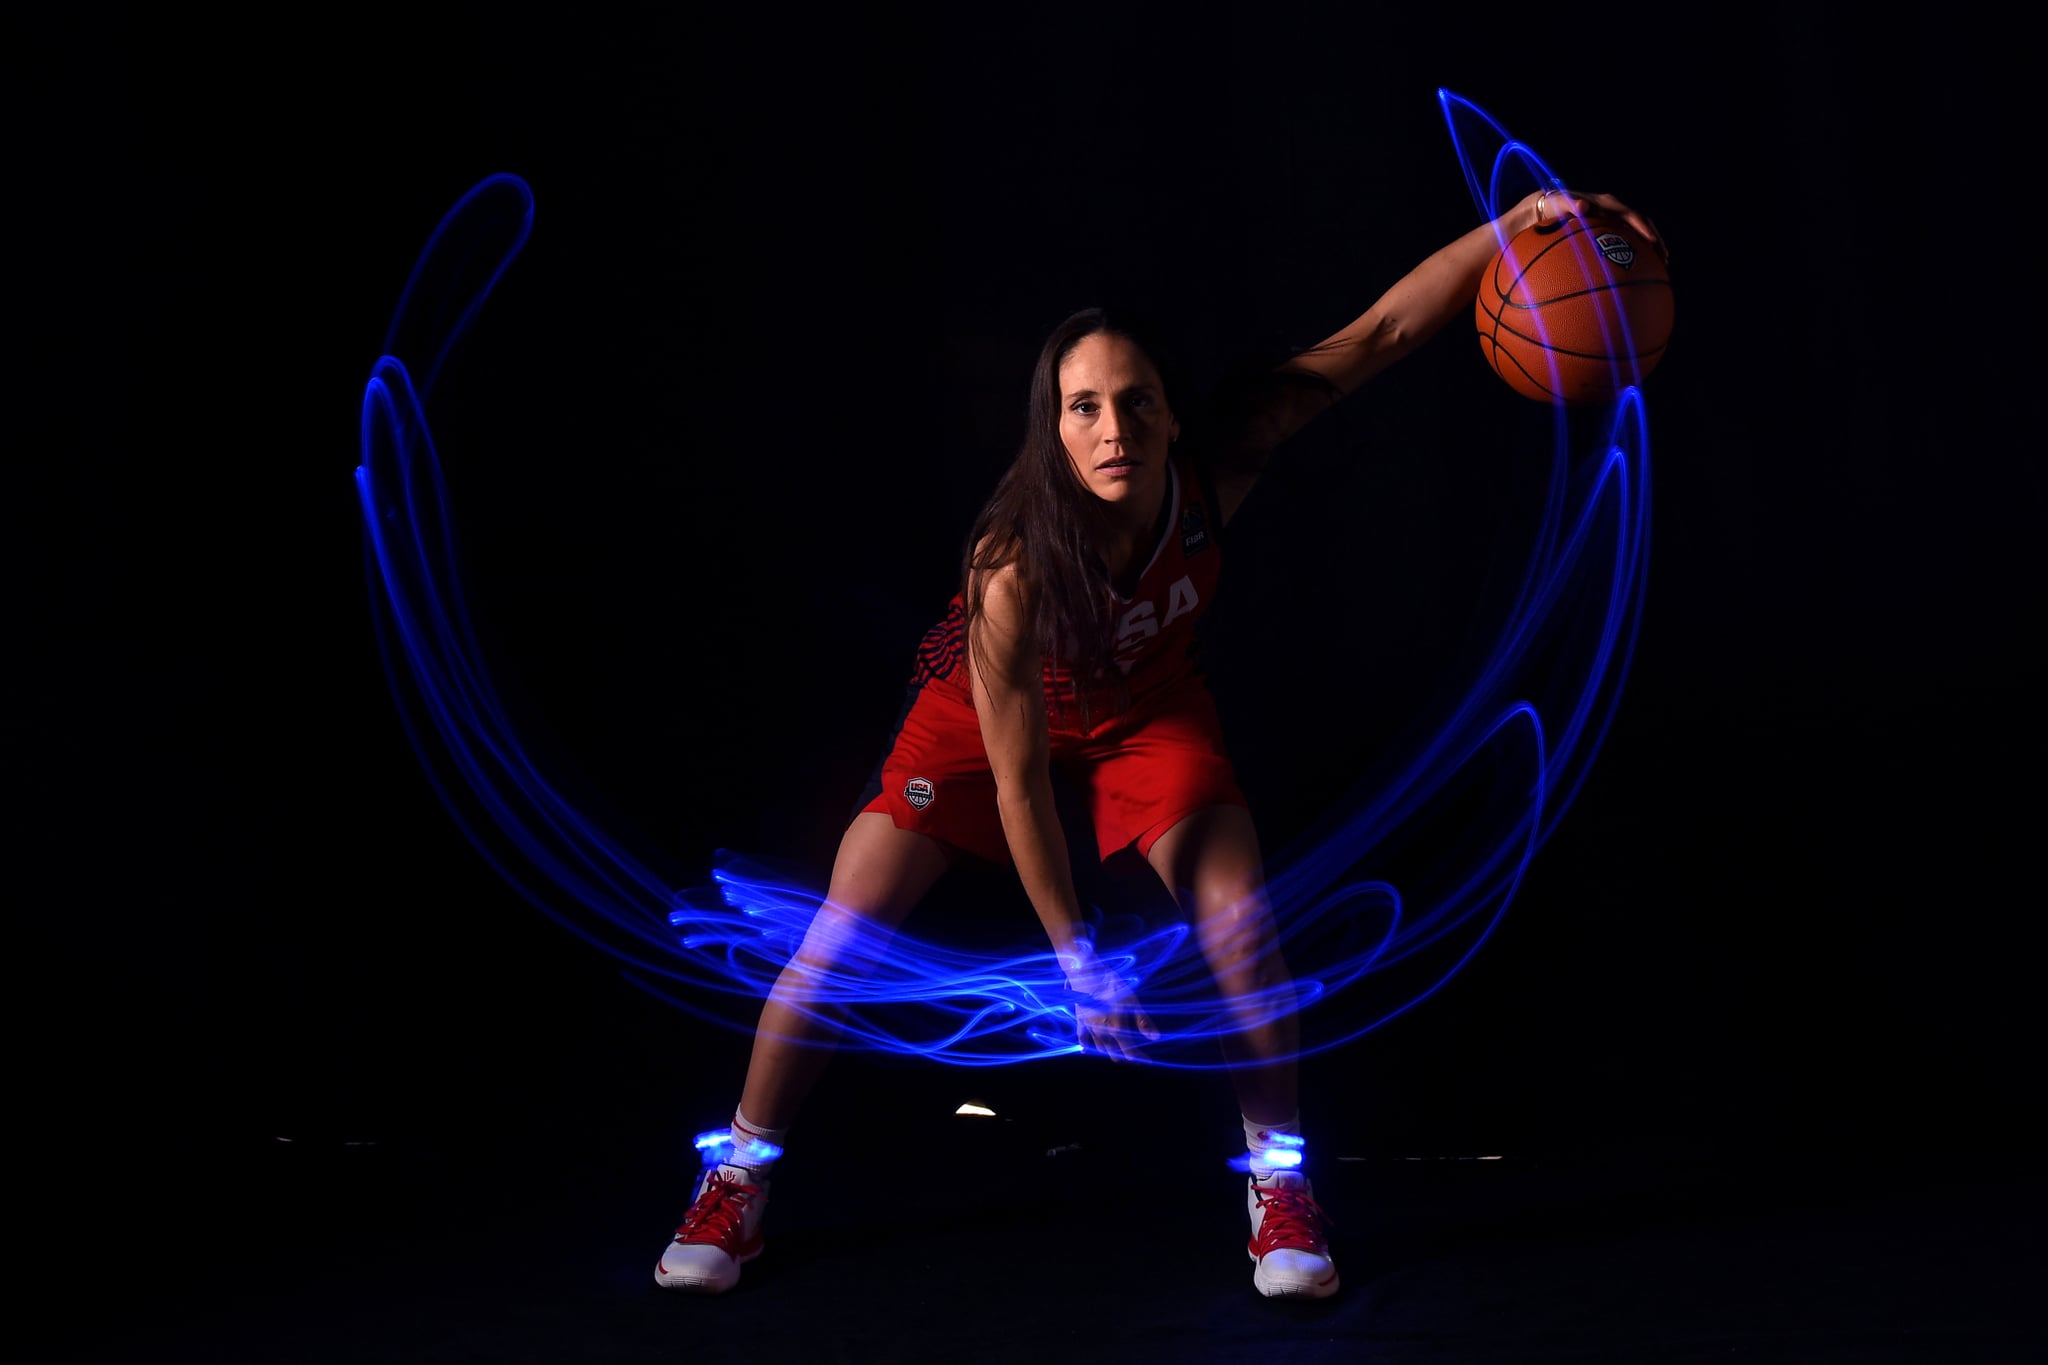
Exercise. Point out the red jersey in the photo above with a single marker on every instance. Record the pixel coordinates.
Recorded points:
(1155, 633)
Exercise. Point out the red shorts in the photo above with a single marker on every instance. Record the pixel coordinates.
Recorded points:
(1140, 773)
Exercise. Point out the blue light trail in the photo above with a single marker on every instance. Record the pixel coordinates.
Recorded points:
(714, 950)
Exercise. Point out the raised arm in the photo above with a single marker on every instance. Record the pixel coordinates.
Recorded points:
(1009, 701)
(1412, 311)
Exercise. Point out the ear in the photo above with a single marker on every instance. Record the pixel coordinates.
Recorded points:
(1173, 432)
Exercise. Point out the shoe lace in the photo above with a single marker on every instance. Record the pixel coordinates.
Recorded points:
(1293, 1221)
(715, 1216)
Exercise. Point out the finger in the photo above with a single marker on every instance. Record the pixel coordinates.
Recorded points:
(1100, 1039)
(1639, 221)
(1599, 206)
(1146, 1027)
(1113, 1045)
(1563, 204)
(1608, 206)
(1647, 229)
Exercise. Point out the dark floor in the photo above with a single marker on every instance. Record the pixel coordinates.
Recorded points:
(975, 1240)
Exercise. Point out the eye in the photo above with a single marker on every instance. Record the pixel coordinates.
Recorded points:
(1086, 407)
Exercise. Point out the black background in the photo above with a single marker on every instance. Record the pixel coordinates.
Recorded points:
(712, 444)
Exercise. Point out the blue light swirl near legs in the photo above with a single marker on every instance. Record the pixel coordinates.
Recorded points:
(714, 950)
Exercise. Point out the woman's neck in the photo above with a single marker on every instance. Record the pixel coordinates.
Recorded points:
(1134, 543)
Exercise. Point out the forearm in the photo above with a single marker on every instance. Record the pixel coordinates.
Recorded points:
(1417, 306)
(1038, 847)
(1009, 702)
(1443, 287)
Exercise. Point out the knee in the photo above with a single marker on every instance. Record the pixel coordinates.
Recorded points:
(1241, 946)
(841, 942)
(1233, 920)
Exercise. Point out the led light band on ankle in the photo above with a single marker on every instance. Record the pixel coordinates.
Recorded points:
(1283, 1152)
(718, 1147)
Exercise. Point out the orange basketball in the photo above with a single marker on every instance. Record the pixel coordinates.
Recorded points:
(1574, 312)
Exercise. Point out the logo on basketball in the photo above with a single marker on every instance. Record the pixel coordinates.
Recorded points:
(1616, 248)
(918, 792)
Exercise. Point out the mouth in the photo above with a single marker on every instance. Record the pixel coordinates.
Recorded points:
(1120, 465)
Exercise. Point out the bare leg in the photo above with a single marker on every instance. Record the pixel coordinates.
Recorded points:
(1211, 863)
(881, 873)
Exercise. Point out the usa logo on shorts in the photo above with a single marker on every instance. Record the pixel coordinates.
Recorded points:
(918, 792)
(1616, 248)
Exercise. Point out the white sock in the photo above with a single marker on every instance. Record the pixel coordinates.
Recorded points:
(1265, 1141)
(754, 1146)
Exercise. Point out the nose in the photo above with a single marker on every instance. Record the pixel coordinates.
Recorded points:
(1111, 428)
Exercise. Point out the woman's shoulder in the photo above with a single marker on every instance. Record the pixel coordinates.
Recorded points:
(994, 552)
(995, 575)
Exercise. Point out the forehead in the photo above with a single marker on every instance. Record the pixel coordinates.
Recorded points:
(1106, 362)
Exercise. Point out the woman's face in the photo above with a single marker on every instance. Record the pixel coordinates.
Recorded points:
(1114, 421)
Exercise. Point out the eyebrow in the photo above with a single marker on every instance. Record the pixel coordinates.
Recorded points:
(1140, 387)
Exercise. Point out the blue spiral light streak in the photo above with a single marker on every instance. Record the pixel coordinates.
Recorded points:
(713, 950)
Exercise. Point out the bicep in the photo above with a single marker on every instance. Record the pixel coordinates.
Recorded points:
(1004, 665)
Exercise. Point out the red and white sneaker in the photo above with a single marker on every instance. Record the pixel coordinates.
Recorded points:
(1289, 1244)
(720, 1233)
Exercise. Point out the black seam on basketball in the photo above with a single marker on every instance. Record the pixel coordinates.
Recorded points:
(1523, 370)
(1578, 229)
(1550, 299)
(1542, 345)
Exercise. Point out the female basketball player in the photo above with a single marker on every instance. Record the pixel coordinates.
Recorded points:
(1069, 643)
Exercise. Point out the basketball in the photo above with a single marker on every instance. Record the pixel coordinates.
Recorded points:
(1574, 312)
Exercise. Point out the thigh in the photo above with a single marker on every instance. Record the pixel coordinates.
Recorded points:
(883, 871)
(1211, 862)
(880, 874)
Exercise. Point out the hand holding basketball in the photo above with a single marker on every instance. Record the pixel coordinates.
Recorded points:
(1548, 208)
(1575, 307)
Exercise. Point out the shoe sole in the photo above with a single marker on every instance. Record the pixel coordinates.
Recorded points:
(1290, 1289)
(700, 1286)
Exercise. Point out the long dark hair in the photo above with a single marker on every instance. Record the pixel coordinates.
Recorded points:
(1043, 519)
